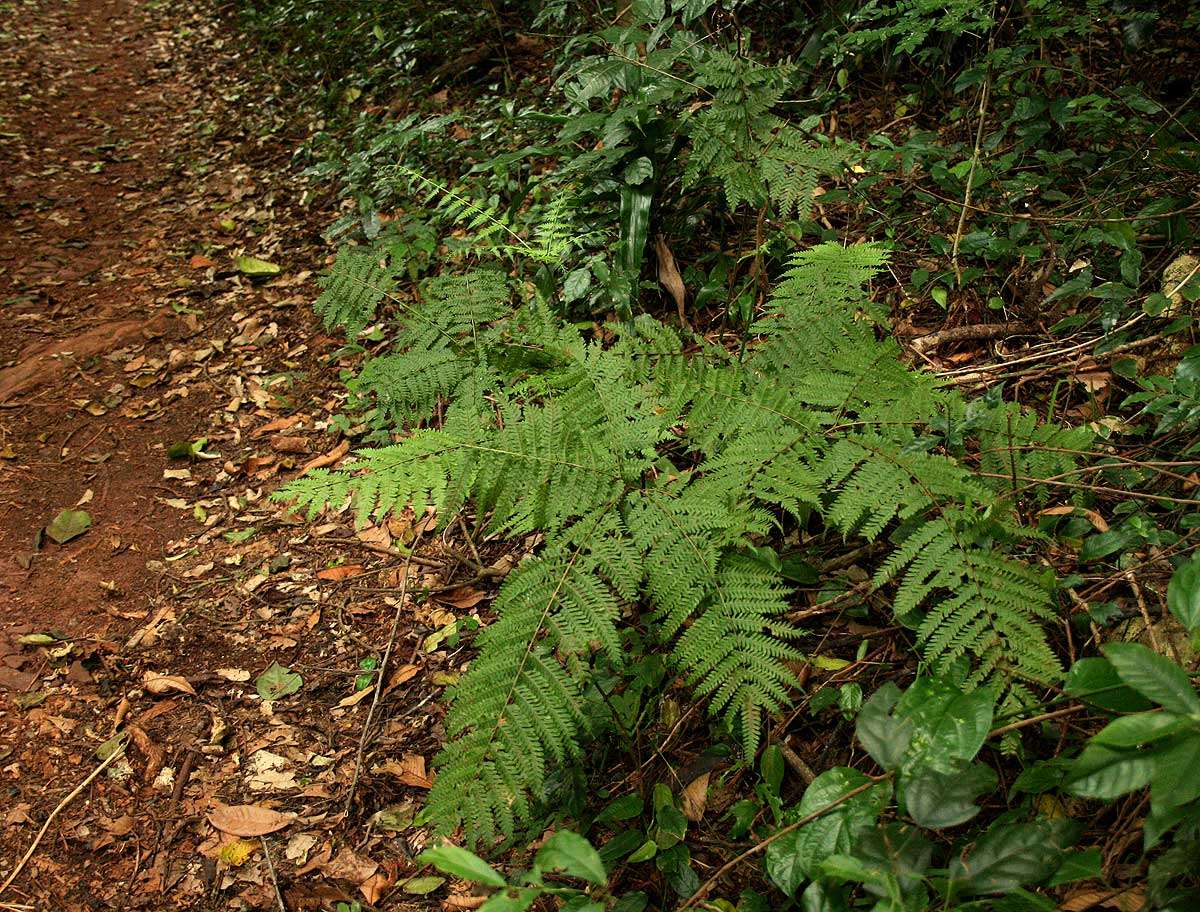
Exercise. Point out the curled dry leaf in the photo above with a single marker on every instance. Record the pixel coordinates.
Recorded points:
(348, 865)
(335, 455)
(247, 819)
(345, 571)
(410, 770)
(695, 798)
(159, 684)
(668, 275)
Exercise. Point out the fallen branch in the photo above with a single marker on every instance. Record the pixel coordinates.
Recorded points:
(973, 332)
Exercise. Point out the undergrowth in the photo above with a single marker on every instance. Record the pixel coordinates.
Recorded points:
(714, 473)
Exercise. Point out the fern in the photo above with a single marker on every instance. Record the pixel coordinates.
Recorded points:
(652, 466)
(353, 290)
(753, 154)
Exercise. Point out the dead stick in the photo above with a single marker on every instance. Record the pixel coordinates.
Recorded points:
(967, 333)
(274, 879)
(119, 751)
(383, 667)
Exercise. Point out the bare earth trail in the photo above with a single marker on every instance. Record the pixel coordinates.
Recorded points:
(134, 169)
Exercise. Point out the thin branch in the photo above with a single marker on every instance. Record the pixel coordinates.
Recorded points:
(117, 752)
(381, 677)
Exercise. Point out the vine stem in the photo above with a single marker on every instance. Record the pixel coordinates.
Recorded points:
(779, 834)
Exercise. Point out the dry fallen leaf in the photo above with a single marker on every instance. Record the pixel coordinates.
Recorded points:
(374, 887)
(668, 274)
(247, 819)
(355, 698)
(345, 571)
(347, 865)
(333, 456)
(462, 597)
(694, 798)
(409, 769)
(400, 675)
(159, 684)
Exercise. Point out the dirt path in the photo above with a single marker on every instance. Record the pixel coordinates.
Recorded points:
(134, 168)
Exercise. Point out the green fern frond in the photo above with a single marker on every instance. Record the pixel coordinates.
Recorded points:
(413, 472)
(735, 651)
(407, 386)
(353, 290)
(519, 707)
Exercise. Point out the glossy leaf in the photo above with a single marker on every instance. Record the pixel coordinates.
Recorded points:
(883, 735)
(1101, 772)
(937, 800)
(1154, 677)
(458, 862)
(573, 855)
(1183, 594)
(792, 859)
(1094, 680)
(1006, 857)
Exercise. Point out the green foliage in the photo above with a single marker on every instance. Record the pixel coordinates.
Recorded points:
(575, 451)
(353, 290)
(673, 483)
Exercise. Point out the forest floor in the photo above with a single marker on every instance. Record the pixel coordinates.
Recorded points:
(138, 160)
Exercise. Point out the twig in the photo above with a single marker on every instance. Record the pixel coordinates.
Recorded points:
(778, 834)
(793, 759)
(1145, 612)
(117, 752)
(274, 879)
(382, 676)
(1034, 720)
(966, 203)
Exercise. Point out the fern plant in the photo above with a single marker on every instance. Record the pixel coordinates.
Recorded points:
(656, 467)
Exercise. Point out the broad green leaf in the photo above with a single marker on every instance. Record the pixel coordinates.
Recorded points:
(575, 285)
(635, 225)
(422, 885)
(622, 808)
(1006, 857)
(1101, 772)
(67, 525)
(1140, 728)
(771, 767)
(936, 800)
(676, 866)
(632, 902)
(619, 846)
(900, 852)
(948, 725)
(1176, 772)
(1082, 865)
(512, 900)
(1154, 677)
(573, 855)
(645, 852)
(638, 170)
(793, 859)
(253, 266)
(821, 897)
(450, 859)
(277, 682)
(884, 736)
(1094, 680)
(1183, 594)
